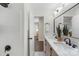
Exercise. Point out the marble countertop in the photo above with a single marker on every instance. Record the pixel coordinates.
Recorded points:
(62, 49)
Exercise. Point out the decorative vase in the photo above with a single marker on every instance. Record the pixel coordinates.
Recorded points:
(59, 39)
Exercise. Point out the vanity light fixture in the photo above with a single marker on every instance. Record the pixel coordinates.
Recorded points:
(59, 9)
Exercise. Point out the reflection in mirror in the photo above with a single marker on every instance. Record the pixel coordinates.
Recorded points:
(59, 21)
(67, 20)
(71, 19)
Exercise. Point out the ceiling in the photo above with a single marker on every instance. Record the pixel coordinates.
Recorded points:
(43, 8)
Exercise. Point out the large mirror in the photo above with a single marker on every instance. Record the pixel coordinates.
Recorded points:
(71, 19)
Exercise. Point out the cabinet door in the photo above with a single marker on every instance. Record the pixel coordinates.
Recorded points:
(53, 53)
(49, 51)
(47, 48)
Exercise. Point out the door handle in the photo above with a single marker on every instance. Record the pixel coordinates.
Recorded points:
(29, 38)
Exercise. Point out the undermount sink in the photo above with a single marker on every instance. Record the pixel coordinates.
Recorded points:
(70, 49)
(68, 46)
(65, 46)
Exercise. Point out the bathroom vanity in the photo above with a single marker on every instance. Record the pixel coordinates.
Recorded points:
(52, 48)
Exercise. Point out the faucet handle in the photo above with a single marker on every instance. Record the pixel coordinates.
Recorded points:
(66, 42)
(74, 46)
(70, 44)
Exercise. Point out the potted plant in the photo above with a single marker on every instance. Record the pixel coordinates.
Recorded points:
(59, 33)
(65, 30)
(70, 33)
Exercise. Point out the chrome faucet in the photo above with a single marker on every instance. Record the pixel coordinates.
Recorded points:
(68, 42)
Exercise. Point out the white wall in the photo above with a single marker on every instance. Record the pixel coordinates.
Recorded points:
(48, 18)
(11, 29)
(75, 22)
(46, 10)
